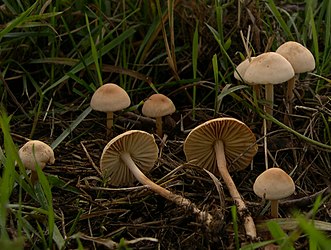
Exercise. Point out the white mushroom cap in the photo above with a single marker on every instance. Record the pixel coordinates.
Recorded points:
(109, 98)
(238, 140)
(142, 148)
(274, 184)
(158, 105)
(268, 68)
(36, 152)
(241, 69)
(301, 59)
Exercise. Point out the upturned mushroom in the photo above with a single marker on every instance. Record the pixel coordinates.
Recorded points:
(110, 98)
(222, 145)
(35, 153)
(274, 184)
(157, 106)
(269, 68)
(131, 154)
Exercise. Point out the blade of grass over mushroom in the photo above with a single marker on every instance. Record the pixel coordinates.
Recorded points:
(280, 236)
(7, 177)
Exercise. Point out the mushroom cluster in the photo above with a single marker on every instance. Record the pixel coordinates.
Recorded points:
(272, 68)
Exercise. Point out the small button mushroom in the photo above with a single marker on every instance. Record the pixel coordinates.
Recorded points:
(274, 184)
(34, 153)
(222, 145)
(157, 106)
(110, 98)
(131, 154)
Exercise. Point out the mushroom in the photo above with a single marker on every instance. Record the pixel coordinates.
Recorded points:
(221, 145)
(301, 59)
(157, 106)
(131, 154)
(269, 68)
(274, 184)
(110, 98)
(34, 153)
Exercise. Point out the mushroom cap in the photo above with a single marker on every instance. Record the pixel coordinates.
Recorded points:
(158, 105)
(142, 148)
(241, 69)
(301, 59)
(36, 152)
(238, 140)
(109, 98)
(273, 184)
(268, 68)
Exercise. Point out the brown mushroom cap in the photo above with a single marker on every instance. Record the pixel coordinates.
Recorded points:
(238, 139)
(35, 151)
(158, 105)
(241, 69)
(273, 184)
(268, 68)
(142, 148)
(109, 98)
(301, 59)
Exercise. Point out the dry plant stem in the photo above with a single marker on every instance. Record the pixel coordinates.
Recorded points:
(178, 199)
(110, 121)
(159, 131)
(274, 209)
(269, 97)
(241, 206)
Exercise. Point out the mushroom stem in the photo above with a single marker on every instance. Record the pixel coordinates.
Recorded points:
(256, 89)
(178, 199)
(159, 130)
(289, 99)
(110, 121)
(269, 97)
(242, 209)
(34, 177)
(274, 209)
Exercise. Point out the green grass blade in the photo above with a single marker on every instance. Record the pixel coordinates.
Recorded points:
(89, 58)
(18, 20)
(195, 51)
(273, 8)
(72, 126)
(94, 51)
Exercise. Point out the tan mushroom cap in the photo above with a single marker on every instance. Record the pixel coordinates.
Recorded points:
(301, 59)
(239, 144)
(273, 184)
(142, 148)
(109, 98)
(268, 68)
(35, 151)
(241, 69)
(158, 105)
